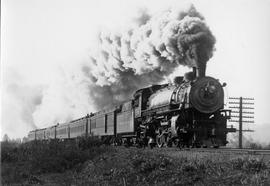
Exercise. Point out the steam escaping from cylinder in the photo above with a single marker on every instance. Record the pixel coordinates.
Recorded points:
(147, 53)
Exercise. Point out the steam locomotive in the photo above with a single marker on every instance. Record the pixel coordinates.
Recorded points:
(188, 112)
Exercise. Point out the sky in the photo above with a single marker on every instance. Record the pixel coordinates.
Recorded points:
(44, 43)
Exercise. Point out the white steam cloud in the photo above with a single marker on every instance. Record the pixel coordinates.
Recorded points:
(147, 53)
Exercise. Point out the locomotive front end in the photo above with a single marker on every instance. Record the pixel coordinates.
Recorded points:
(207, 95)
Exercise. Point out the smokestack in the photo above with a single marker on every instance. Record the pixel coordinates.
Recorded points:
(201, 70)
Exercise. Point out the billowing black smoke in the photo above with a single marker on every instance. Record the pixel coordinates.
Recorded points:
(108, 95)
(146, 54)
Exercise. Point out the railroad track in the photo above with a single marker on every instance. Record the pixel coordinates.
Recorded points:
(219, 150)
(232, 150)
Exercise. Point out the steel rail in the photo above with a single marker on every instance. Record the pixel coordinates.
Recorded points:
(232, 150)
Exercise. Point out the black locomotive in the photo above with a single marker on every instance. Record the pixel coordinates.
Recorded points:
(187, 113)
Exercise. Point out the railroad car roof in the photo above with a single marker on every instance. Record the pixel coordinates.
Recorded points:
(63, 124)
(78, 119)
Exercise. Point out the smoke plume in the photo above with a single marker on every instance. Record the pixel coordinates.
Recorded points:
(146, 54)
(19, 103)
(29, 98)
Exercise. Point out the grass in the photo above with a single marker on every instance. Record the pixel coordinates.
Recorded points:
(22, 163)
(88, 162)
(174, 167)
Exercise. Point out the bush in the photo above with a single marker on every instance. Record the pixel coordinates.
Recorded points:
(52, 156)
(89, 142)
(9, 151)
(255, 146)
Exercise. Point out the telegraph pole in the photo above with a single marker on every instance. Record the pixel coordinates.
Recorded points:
(237, 104)
(240, 122)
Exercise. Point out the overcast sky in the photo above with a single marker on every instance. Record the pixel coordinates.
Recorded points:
(44, 41)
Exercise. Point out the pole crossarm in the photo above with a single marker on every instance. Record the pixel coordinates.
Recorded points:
(237, 121)
(234, 98)
(242, 112)
(248, 130)
(244, 103)
(247, 98)
(242, 107)
(238, 98)
(247, 108)
(236, 116)
(234, 107)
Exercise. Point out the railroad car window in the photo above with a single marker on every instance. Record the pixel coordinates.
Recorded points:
(62, 131)
(100, 122)
(93, 123)
(110, 119)
(82, 128)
